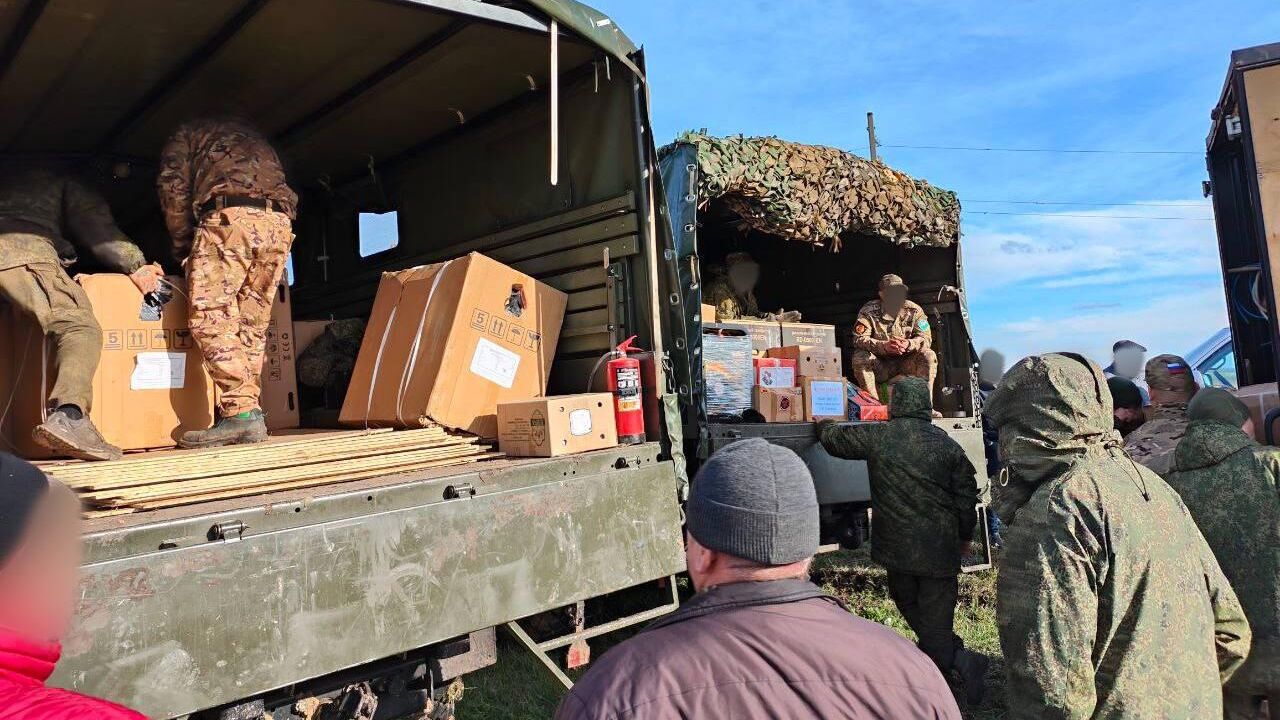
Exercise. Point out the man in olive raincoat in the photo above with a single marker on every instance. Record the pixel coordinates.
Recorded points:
(924, 497)
(1229, 484)
(1109, 601)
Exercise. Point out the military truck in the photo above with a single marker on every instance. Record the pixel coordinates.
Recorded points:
(824, 225)
(517, 129)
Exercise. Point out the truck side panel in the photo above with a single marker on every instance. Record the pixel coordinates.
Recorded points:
(175, 631)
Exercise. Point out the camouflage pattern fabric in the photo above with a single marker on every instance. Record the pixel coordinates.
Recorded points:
(329, 360)
(729, 305)
(819, 194)
(1154, 442)
(928, 604)
(43, 209)
(210, 158)
(923, 487)
(236, 262)
(874, 328)
(1231, 485)
(61, 310)
(1109, 601)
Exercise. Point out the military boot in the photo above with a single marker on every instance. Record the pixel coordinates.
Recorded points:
(68, 432)
(971, 669)
(242, 429)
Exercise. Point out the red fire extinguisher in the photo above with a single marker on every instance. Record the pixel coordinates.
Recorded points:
(628, 396)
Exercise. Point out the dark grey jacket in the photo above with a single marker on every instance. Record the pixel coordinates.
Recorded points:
(779, 649)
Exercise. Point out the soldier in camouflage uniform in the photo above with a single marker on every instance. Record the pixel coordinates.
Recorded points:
(924, 495)
(1172, 386)
(229, 211)
(1109, 601)
(46, 217)
(731, 287)
(892, 338)
(1231, 485)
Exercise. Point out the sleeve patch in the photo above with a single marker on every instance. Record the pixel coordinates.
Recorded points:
(922, 324)
(861, 328)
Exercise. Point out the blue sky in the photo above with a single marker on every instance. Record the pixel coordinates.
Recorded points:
(1123, 76)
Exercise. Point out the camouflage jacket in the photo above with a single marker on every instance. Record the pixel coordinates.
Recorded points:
(208, 158)
(1109, 601)
(924, 492)
(1153, 443)
(1232, 487)
(729, 305)
(47, 216)
(874, 327)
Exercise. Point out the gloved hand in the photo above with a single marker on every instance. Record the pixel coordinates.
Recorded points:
(147, 278)
(824, 424)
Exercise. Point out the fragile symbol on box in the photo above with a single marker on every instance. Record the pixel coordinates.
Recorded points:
(182, 339)
(531, 340)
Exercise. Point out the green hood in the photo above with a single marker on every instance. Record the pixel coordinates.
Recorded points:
(1207, 443)
(1051, 412)
(911, 399)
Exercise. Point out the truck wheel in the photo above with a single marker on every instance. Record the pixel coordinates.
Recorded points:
(854, 529)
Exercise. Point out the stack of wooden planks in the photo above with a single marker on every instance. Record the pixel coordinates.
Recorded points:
(169, 479)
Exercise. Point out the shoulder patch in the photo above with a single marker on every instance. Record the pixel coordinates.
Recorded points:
(922, 324)
(861, 328)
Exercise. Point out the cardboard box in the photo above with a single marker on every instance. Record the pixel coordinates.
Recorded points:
(448, 342)
(279, 379)
(150, 387)
(825, 398)
(1260, 399)
(305, 332)
(779, 404)
(764, 335)
(814, 362)
(775, 372)
(560, 425)
(708, 313)
(808, 334)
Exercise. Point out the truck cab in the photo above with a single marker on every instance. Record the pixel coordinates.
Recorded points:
(414, 131)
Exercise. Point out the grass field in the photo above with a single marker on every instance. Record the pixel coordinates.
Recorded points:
(520, 688)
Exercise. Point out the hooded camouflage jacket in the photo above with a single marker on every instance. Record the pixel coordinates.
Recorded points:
(48, 216)
(1229, 484)
(923, 488)
(1110, 603)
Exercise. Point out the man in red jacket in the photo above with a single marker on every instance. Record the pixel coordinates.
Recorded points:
(759, 640)
(39, 573)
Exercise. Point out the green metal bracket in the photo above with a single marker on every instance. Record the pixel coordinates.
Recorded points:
(550, 664)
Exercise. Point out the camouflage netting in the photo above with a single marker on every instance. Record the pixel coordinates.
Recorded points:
(819, 194)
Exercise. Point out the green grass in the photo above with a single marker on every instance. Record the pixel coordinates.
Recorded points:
(518, 687)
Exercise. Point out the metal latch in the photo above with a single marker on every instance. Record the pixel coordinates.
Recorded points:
(230, 531)
(461, 490)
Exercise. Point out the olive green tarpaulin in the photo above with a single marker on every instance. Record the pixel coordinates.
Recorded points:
(820, 195)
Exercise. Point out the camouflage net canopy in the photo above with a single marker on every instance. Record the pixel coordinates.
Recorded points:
(819, 194)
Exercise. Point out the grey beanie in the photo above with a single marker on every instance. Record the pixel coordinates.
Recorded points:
(756, 501)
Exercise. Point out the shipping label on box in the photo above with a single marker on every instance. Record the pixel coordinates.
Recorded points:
(824, 399)
(808, 334)
(781, 404)
(815, 362)
(763, 334)
(776, 377)
(561, 425)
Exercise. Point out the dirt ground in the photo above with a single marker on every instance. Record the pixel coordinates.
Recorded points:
(519, 688)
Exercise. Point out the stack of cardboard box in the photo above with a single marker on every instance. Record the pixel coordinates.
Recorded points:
(820, 383)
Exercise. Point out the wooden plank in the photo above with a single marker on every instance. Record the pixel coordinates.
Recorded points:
(579, 257)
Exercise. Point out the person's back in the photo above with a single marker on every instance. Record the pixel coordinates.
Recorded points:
(802, 658)
(1110, 604)
(1171, 386)
(1229, 483)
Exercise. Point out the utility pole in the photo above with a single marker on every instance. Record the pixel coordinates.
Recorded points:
(871, 134)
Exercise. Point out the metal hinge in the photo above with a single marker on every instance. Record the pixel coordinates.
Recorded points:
(230, 531)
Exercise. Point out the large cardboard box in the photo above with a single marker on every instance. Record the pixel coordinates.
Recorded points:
(150, 387)
(808, 334)
(778, 404)
(561, 425)
(448, 342)
(763, 334)
(825, 398)
(1260, 399)
(811, 361)
(279, 380)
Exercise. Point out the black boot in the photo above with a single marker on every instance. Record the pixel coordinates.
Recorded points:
(68, 432)
(971, 668)
(242, 429)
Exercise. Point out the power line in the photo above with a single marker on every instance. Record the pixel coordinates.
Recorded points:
(1087, 217)
(1089, 151)
(1085, 204)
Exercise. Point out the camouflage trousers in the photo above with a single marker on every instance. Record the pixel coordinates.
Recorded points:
(59, 306)
(868, 369)
(929, 606)
(236, 261)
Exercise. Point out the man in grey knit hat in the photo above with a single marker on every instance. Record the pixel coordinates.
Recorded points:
(759, 640)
